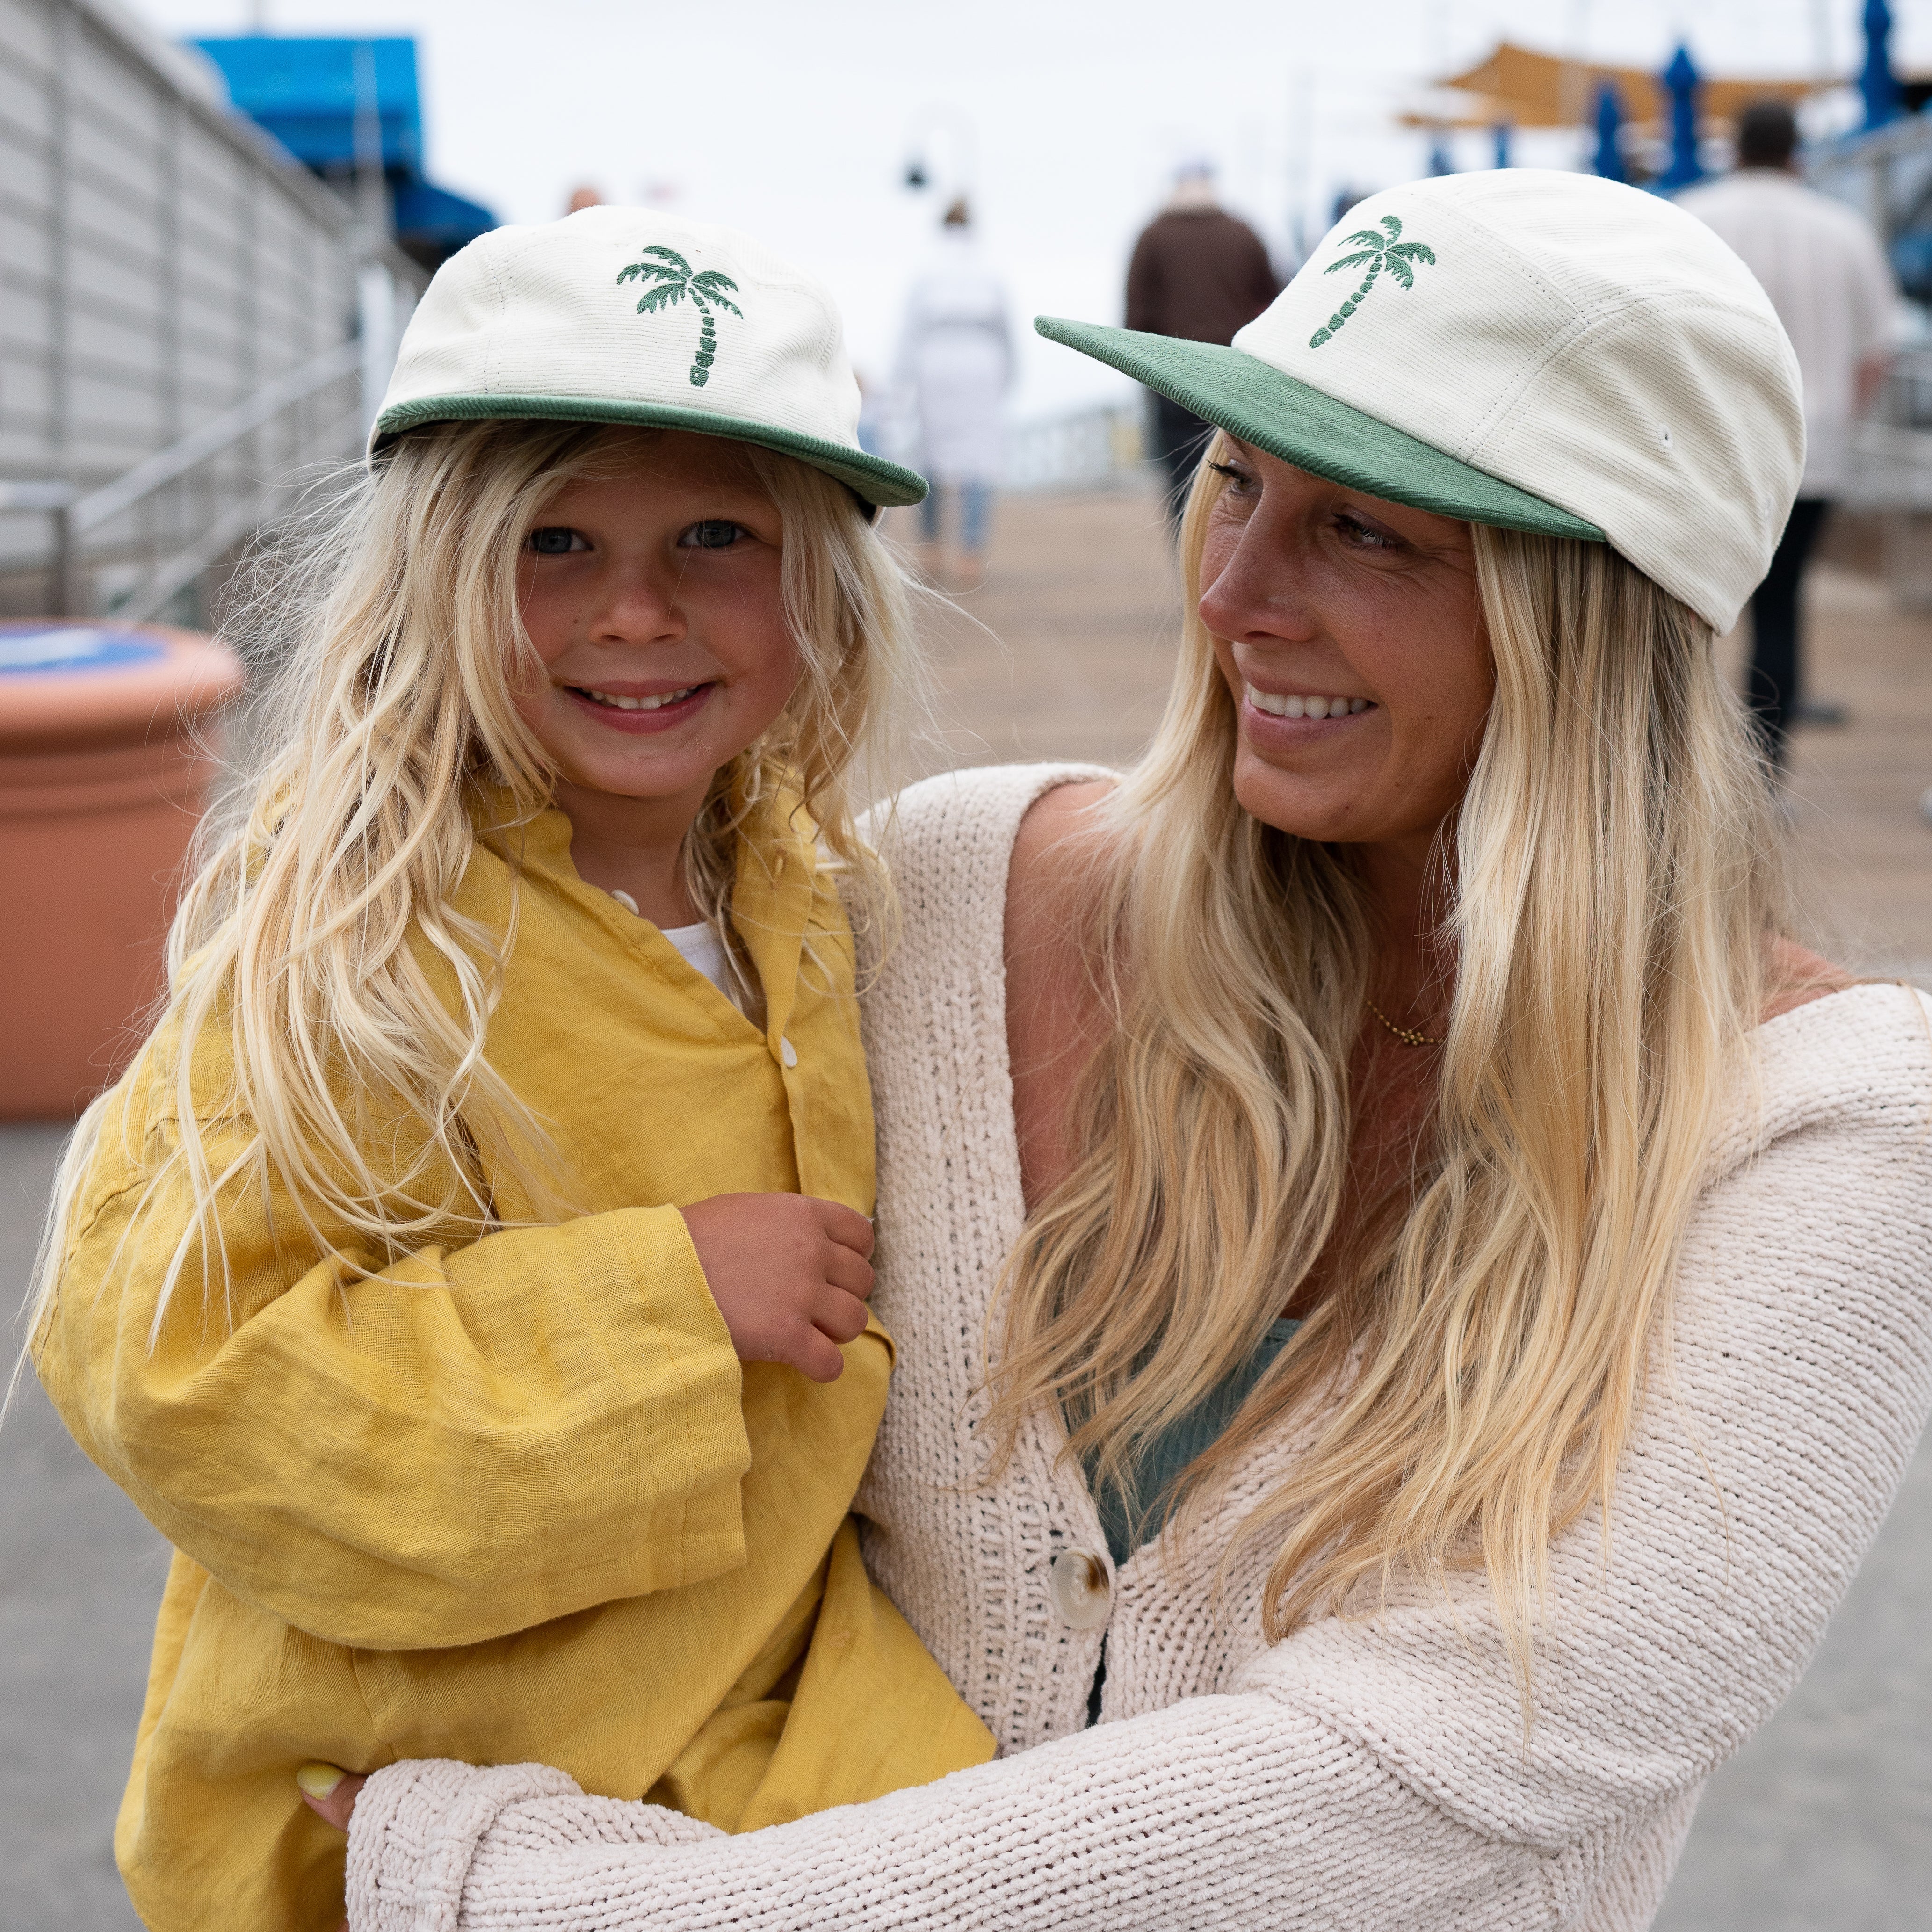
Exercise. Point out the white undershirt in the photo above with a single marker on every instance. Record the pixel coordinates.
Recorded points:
(703, 951)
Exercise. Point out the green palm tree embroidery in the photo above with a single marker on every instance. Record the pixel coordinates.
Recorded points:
(1387, 251)
(675, 280)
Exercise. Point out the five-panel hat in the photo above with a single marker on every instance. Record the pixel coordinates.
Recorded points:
(628, 315)
(1542, 351)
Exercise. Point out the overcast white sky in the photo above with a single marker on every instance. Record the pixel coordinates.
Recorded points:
(793, 118)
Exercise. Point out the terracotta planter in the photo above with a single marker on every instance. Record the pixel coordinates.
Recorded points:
(108, 734)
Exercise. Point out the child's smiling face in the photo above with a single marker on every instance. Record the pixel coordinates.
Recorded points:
(652, 597)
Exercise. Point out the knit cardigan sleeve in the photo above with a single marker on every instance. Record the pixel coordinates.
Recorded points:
(1374, 1774)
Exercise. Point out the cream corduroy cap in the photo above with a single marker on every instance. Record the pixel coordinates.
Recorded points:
(1543, 351)
(629, 315)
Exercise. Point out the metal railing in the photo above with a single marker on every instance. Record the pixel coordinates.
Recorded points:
(1892, 450)
(213, 511)
(1102, 448)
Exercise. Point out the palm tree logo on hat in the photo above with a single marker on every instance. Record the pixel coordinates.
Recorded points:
(1387, 251)
(675, 279)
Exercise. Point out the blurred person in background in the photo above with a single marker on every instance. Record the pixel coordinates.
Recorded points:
(1199, 273)
(583, 197)
(1827, 277)
(956, 366)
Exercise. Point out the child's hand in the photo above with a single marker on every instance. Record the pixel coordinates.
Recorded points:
(790, 1275)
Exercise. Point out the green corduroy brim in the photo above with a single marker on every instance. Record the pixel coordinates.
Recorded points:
(879, 482)
(1248, 398)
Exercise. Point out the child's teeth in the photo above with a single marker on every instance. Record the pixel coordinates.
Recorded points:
(639, 704)
(1291, 704)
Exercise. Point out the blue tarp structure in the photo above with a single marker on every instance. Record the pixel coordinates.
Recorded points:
(328, 101)
(1681, 81)
(1609, 163)
(1877, 83)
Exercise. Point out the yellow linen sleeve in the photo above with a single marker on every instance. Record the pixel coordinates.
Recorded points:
(476, 1440)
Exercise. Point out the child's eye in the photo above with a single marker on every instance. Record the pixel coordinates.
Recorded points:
(554, 540)
(714, 533)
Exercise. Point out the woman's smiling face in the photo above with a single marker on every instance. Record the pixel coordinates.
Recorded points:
(652, 596)
(1350, 633)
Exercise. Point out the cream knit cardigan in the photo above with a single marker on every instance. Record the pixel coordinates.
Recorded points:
(1361, 1775)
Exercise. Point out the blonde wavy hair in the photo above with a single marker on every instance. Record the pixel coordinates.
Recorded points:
(391, 620)
(1610, 891)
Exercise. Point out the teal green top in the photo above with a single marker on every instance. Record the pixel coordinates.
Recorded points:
(1144, 1498)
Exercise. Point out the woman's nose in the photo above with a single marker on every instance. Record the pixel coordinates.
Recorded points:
(1254, 592)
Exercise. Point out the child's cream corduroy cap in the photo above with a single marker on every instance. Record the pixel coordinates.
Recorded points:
(627, 315)
(1546, 352)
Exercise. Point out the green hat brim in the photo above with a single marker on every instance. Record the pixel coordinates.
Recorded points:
(1251, 399)
(880, 483)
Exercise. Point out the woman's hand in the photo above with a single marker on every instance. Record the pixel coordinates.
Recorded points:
(330, 1792)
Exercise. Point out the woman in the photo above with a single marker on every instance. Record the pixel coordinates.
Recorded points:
(1429, 1019)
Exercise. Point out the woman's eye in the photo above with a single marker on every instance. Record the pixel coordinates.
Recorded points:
(714, 533)
(1359, 536)
(1240, 481)
(555, 540)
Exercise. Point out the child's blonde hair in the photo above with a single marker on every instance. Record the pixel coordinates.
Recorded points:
(391, 619)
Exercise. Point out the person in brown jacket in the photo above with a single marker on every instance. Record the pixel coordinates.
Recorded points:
(1199, 273)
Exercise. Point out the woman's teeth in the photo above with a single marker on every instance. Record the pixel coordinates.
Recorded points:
(1278, 704)
(657, 703)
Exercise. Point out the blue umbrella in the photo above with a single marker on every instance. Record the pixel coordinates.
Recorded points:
(1681, 82)
(1610, 121)
(1876, 81)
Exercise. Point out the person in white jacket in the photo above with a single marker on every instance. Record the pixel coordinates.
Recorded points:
(956, 365)
(1413, 1295)
(1827, 278)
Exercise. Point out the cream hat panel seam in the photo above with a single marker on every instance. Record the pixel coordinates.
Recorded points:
(493, 337)
(1589, 309)
(1644, 508)
(1480, 433)
(1609, 317)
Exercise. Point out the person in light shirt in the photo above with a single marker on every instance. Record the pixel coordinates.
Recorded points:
(1827, 277)
(956, 365)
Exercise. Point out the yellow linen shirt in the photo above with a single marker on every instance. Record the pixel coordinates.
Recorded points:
(516, 1499)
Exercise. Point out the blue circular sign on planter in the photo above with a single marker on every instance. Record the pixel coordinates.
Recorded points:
(44, 649)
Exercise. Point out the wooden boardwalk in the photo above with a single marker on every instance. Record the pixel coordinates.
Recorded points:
(1066, 652)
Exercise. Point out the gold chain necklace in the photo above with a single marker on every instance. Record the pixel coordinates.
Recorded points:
(1409, 1036)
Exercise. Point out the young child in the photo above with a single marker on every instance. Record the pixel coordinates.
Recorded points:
(469, 1275)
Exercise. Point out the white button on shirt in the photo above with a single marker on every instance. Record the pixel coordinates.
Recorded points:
(703, 949)
(787, 1053)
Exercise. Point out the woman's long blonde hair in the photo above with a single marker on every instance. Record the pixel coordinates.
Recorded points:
(392, 623)
(1610, 891)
